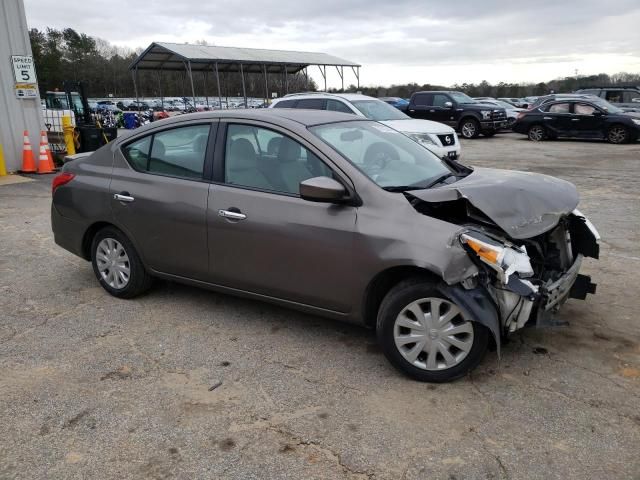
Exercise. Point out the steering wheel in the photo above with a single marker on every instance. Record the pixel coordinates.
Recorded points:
(377, 157)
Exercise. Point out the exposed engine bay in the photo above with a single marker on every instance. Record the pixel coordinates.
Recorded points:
(528, 276)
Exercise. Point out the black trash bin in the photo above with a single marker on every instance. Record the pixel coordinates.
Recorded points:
(92, 138)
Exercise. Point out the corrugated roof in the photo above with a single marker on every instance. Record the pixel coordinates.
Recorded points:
(171, 56)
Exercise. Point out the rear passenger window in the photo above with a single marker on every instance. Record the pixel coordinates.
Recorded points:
(137, 153)
(179, 152)
(311, 103)
(421, 99)
(338, 106)
(559, 108)
(285, 104)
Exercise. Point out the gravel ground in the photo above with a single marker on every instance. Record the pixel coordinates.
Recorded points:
(95, 387)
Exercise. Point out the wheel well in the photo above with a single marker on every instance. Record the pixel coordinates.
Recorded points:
(385, 281)
(88, 237)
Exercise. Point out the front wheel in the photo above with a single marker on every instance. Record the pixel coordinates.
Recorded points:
(469, 128)
(618, 134)
(424, 334)
(117, 265)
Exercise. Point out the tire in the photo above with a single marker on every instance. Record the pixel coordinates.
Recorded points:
(618, 134)
(489, 133)
(536, 133)
(112, 253)
(392, 334)
(469, 128)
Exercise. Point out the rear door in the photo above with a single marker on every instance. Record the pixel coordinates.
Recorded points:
(419, 106)
(159, 197)
(557, 119)
(263, 238)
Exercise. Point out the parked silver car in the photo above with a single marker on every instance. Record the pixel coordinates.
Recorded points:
(335, 215)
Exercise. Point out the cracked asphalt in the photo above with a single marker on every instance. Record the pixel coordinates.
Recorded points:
(188, 384)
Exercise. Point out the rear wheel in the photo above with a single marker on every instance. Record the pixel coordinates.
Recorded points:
(537, 133)
(469, 128)
(424, 334)
(618, 134)
(117, 265)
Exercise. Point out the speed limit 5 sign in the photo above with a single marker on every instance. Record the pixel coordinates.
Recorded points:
(23, 69)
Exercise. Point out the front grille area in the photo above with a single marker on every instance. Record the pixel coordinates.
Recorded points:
(498, 116)
(447, 140)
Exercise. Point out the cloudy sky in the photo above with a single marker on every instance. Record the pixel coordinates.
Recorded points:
(396, 41)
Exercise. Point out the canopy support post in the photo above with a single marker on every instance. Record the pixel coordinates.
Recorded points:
(193, 92)
(218, 82)
(356, 72)
(341, 73)
(266, 85)
(204, 85)
(244, 90)
(323, 71)
(160, 88)
(135, 82)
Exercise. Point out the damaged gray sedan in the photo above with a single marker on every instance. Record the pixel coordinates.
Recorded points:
(332, 215)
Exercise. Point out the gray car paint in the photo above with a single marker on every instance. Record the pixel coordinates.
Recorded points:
(523, 204)
(315, 257)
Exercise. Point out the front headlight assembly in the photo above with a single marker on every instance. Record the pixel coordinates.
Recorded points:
(504, 259)
(423, 139)
(636, 121)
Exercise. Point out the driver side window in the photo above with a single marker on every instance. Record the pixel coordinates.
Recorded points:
(439, 100)
(264, 159)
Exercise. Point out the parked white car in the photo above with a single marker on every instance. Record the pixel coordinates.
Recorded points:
(436, 137)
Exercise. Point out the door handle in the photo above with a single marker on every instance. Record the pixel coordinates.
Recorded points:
(575, 119)
(547, 118)
(432, 111)
(231, 215)
(412, 110)
(123, 197)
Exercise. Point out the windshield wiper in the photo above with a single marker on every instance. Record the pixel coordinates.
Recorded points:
(439, 179)
(401, 188)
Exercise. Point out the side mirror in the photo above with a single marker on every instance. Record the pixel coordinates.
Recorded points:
(448, 105)
(598, 113)
(635, 100)
(322, 189)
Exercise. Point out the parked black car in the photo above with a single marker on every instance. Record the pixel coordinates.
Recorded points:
(459, 111)
(138, 106)
(627, 98)
(581, 118)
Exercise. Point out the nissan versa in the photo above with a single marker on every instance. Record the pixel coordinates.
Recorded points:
(334, 215)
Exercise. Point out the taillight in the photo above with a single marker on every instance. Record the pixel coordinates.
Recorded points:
(61, 179)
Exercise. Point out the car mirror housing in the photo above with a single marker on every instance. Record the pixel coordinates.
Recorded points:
(448, 105)
(323, 189)
(598, 113)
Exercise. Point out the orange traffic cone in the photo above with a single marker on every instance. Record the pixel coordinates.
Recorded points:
(44, 140)
(43, 161)
(28, 162)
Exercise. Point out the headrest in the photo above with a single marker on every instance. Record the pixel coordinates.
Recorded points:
(289, 151)
(242, 155)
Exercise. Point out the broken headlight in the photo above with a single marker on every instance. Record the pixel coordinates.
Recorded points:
(504, 259)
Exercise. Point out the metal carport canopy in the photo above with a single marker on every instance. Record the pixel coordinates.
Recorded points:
(172, 56)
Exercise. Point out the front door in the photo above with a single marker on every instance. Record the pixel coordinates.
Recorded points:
(265, 239)
(159, 198)
(587, 120)
(440, 111)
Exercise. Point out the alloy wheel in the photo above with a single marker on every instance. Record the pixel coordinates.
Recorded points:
(468, 129)
(113, 263)
(432, 334)
(536, 133)
(617, 135)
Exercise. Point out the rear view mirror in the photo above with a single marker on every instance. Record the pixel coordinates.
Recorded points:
(448, 104)
(322, 189)
(351, 135)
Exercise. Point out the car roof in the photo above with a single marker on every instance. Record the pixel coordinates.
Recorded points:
(307, 118)
(346, 96)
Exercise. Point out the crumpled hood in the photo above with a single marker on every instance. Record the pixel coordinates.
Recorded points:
(523, 204)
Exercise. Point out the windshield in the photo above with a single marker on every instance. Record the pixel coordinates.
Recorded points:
(378, 110)
(385, 155)
(461, 97)
(606, 106)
